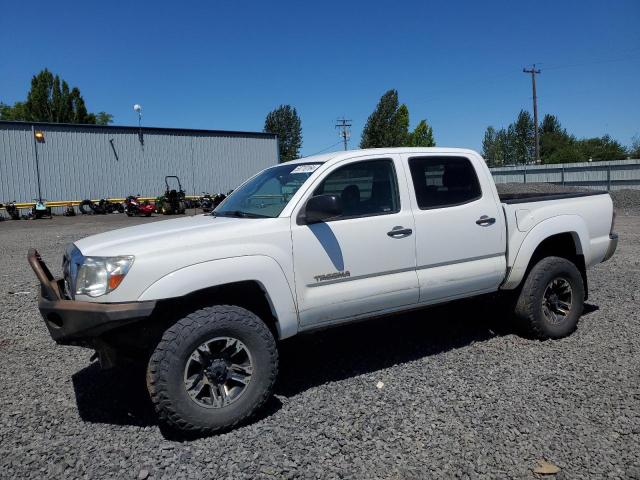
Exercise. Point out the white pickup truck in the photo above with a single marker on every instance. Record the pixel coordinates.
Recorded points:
(324, 240)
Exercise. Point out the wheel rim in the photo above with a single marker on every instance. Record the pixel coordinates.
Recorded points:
(218, 372)
(557, 299)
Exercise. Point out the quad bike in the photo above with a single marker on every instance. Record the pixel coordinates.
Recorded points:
(133, 206)
(12, 210)
(209, 202)
(173, 201)
(218, 198)
(40, 209)
(206, 202)
(101, 207)
(69, 211)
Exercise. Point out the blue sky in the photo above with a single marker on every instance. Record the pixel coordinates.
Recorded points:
(224, 65)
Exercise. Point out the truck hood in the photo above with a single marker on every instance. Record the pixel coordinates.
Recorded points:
(173, 234)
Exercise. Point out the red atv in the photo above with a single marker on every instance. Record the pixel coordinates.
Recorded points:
(134, 207)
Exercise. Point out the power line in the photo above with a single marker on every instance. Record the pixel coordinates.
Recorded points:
(344, 125)
(533, 73)
(595, 61)
(323, 150)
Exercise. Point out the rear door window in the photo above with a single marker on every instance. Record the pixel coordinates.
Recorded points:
(441, 182)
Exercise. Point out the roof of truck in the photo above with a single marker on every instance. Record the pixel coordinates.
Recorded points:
(325, 157)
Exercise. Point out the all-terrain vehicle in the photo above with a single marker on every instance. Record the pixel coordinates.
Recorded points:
(134, 207)
(40, 209)
(101, 207)
(12, 210)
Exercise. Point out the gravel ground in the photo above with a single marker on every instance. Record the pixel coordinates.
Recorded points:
(462, 396)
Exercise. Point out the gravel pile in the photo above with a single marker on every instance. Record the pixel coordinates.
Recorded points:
(448, 392)
(625, 201)
(504, 188)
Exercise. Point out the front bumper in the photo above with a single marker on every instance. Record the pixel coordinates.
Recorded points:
(613, 244)
(72, 322)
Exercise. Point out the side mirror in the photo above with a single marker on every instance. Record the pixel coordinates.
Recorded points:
(321, 208)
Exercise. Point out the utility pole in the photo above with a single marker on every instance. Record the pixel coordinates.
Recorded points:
(533, 73)
(344, 125)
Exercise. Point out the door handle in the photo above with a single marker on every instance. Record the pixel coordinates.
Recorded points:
(485, 220)
(399, 232)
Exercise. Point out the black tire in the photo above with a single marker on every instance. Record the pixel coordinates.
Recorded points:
(86, 207)
(536, 319)
(166, 369)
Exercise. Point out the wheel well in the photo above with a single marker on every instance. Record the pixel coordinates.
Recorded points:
(563, 245)
(248, 294)
(138, 339)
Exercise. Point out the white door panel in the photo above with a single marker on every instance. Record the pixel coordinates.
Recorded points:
(456, 256)
(349, 267)
(459, 279)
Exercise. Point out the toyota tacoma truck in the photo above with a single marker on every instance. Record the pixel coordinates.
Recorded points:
(326, 240)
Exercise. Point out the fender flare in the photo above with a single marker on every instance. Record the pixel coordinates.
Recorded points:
(572, 224)
(259, 268)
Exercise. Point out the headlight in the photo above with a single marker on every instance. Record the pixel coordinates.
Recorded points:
(100, 275)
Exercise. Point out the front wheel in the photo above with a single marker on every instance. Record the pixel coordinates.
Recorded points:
(551, 300)
(212, 370)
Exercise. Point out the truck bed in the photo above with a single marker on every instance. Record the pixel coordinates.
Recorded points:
(527, 197)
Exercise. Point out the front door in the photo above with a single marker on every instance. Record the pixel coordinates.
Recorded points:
(363, 261)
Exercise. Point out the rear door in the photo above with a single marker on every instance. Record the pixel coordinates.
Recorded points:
(363, 261)
(460, 233)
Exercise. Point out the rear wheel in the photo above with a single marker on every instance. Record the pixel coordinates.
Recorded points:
(212, 370)
(552, 299)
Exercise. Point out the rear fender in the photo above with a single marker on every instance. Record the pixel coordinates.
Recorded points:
(261, 269)
(572, 224)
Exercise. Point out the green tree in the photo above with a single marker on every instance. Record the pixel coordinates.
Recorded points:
(524, 138)
(555, 142)
(601, 148)
(104, 118)
(490, 147)
(634, 150)
(15, 112)
(400, 127)
(551, 124)
(51, 100)
(388, 125)
(422, 136)
(285, 122)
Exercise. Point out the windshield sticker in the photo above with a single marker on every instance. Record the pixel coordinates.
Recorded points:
(312, 167)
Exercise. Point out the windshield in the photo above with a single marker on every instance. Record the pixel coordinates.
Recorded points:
(266, 194)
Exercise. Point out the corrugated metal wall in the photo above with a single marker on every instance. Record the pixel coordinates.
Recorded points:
(79, 162)
(611, 175)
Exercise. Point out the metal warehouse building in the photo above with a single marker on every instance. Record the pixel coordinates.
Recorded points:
(75, 162)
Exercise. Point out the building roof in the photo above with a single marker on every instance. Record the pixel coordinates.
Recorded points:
(129, 128)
